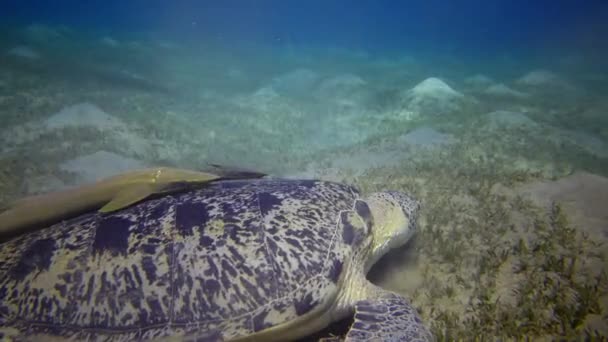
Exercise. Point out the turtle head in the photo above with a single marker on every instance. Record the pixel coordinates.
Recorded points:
(394, 221)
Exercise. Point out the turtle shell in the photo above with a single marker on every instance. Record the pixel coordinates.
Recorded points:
(229, 260)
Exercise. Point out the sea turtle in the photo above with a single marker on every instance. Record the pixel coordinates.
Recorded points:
(236, 260)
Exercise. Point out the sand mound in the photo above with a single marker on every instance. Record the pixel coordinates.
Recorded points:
(44, 34)
(345, 89)
(388, 154)
(83, 114)
(101, 164)
(23, 51)
(540, 77)
(501, 90)
(436, 88)
(478, 81)
(426, 137)
(265, 99)
(433, 97)
(299, 82)
(87, 115)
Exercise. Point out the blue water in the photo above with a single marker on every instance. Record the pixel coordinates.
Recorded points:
(488, 26)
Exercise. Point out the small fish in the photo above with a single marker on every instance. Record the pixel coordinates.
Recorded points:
(107, 195)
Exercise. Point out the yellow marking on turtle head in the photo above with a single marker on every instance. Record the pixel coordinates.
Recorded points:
(215, 228)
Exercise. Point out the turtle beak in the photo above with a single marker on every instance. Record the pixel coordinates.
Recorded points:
(406, 226)
(394, 221)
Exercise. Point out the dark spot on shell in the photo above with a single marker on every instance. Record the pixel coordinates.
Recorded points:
(136, 274)
(90, 287)
(226, 280)
(156, 310)
(266, 281)
(3, 293)
(252, 290)
(159, 211)
(307, 183)
(304, 305)
(61, 288)
(128, 278)
(365, 213)
(335, 271)
(126, 318)
(149, 248)
(212, 271)
(189, 215)
(272, 245)
(205, 241)
(212, 287)
(236, 255)
(235, 232)
(112, 235)
(259, 321)
(230, 212)
(268, 202)
(147, 263)
(226, 266)
(37, 257)
(293, 242)
(348, 231)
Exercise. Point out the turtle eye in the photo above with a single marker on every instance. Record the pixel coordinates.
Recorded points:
(365, 213)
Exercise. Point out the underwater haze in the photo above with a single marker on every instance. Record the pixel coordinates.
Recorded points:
(493, 114)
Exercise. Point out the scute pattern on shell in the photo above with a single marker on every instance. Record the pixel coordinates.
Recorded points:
(236, 257)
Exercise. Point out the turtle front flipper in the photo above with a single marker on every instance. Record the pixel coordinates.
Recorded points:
(388, 318)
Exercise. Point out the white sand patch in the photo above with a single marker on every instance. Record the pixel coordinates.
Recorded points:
(583, 196)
